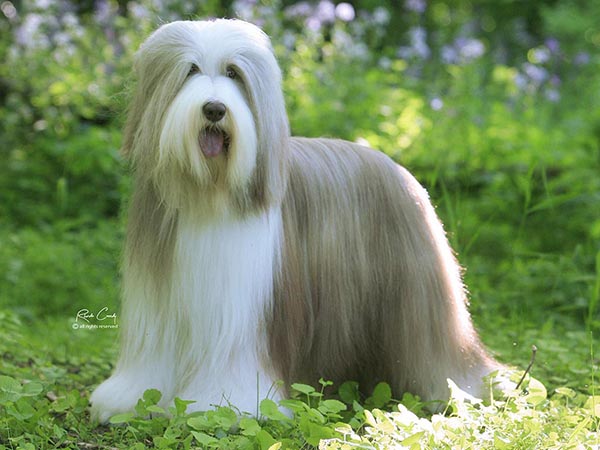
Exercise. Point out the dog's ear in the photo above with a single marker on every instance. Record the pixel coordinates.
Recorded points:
(158, 75)
(131, 124)
(261, 76)
(132, 131)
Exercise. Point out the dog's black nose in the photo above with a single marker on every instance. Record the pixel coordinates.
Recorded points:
(214, 111)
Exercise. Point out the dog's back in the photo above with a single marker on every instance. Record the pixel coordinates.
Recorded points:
(359, 230)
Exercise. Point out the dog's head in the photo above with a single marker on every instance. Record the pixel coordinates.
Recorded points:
(208, 116)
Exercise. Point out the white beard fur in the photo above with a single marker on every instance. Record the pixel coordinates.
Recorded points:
(282, 258)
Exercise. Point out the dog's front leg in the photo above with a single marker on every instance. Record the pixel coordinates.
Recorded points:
(146, 361)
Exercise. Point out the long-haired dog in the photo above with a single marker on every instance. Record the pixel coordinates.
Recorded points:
(253, 257)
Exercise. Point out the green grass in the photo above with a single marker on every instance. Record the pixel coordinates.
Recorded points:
(49, 370)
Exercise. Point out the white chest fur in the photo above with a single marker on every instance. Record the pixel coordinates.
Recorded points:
(220, 292)
(203, 338)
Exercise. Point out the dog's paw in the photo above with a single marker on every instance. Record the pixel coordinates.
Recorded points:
(116, 395)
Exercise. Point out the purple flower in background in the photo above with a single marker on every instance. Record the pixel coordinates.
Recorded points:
(103, 13)
(449, 54)
(385, 63)
(521, 81)
(345, 12)
(418, 45)
(70, 20)
(9, 10)
(289, 40)
(553, 45)
(138, 11)
(27, 34)
(535, 73)
(300, 9)
(62, 39)
(462, 50)
(325, 11)
(552, 95)
(245, 9)
(540, 55)
(582, 58)
(418, 42)
(43, 4)
(381, 16)
(417, 6)
(313, 24)
(470, 49)
(348, 45)
(436, 103)
(532, 77)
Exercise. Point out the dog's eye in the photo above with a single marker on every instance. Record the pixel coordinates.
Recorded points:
(193, 70)
(231, 73)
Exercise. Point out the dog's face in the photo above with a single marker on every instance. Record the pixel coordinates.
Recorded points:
(208, 115)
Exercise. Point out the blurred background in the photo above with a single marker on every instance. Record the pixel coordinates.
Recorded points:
(493, 105)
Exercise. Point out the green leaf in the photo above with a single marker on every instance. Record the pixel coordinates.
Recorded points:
(122, 418)
(357, 407)
(269, 409)
(162, 442)
(203, 438)
(313, 433)
(58, 432)
(21, 410)
(316, 415)
(331, 407)
(593, 404)
(155, 409)
(566, 392)
(295, 406)
(225, 417)
(10, 389)
(369, 419)
(152, 396)
(249, 427)
(382, 395)
(348, 392)
(26, 446)
(536, 392)
(413, 439)
(501, 442)
(265, 440)
(32, 389)
(303, 388)
(181, 405)
(198, 422)
(325, 383)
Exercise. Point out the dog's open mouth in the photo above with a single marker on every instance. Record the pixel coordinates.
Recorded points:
(213, 141)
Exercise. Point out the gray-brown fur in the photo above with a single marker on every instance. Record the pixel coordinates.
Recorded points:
(369, 289)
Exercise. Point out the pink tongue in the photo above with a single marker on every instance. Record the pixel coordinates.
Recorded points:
(211, 142)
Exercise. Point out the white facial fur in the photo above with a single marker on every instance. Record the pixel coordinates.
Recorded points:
(184, 122)
(165, 115)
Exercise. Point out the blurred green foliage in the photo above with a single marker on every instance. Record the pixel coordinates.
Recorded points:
(56, 271)
(493, 105)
